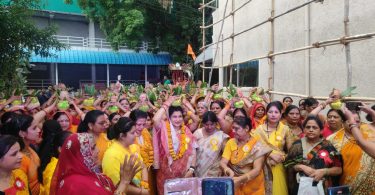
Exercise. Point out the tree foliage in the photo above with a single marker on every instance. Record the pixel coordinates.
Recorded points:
(132, 22)
(19, 38)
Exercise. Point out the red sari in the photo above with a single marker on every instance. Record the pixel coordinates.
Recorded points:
(167, 168)
(77, 171)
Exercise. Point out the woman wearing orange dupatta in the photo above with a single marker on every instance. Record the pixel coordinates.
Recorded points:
(257, 115)
(174, 145)
(243, 159)
(358, 166)
(65, 121)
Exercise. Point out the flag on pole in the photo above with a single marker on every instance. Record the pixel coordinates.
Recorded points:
(191, 52)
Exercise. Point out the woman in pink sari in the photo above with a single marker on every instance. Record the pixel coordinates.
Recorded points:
(174, 145)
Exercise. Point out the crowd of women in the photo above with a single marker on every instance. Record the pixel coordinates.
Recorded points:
(122, 142)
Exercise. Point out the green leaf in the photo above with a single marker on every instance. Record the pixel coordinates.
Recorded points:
(348, 92)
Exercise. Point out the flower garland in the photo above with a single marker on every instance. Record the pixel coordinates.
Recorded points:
(184, 141)
(147, 151)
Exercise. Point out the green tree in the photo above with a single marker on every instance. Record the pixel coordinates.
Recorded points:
(19, 38)
(132, 22)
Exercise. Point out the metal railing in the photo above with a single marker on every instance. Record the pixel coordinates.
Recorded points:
(74, 41)
(38, 83)
(102, 84)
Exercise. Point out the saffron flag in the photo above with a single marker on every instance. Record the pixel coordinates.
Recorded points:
(191, 52)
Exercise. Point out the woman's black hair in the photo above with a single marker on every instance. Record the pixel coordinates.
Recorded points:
(50, 148)
(123, 99)
(209, 116)
(310, 101)
(290, 108)
(50, 127)
(314, 118)
(173, 109)
(221, 104)
(58, 114)
(102, 103)
(242, 110)
(90, 117)
(7, 116)
(368, 116)
(276, 104)
(301, 102)
(287, 97)
(124, 125)
(339, 112)
(15, 125)
(6, 142)
(137, 114)
(243, 122)
(111, 116)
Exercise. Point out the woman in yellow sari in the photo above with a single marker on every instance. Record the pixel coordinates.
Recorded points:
(49, 154)
(358, 166)
(144, 141)
(12, 179)
(243, 159)
(124, 133)
(277, 136)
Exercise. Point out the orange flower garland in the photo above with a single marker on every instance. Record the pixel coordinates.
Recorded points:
(184, 141)
(147, 151)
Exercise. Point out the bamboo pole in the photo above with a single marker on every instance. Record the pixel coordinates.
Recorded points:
(315, 45)
(217, 43)
(347, 45)
(203, 40)
(307, 52)
(271, 60)
(232, 46)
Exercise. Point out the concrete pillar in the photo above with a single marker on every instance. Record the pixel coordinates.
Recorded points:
(146, 75)
(107, 75)
(93, 73)
(56, 73)
(91, 33)
(52, 72)
(221, 77)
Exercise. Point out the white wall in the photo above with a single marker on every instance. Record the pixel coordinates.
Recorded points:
(328, 65)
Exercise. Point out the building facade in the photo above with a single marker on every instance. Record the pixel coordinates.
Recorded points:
(89, 58)
(245, 31)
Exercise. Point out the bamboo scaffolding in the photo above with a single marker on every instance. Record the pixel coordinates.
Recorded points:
(217, 43)
(203, 5)
(225, 17)
(320, 44)
(259, 24)
(369, 99)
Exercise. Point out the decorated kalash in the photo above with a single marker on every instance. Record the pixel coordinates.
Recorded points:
(181, 74)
